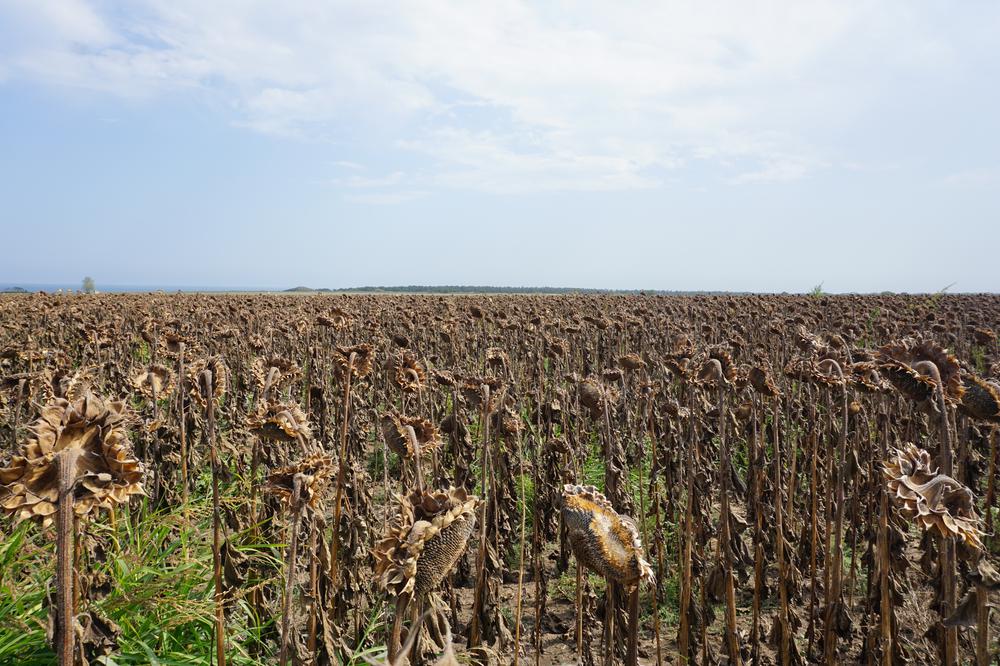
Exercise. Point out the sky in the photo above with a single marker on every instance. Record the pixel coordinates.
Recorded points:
(745, 146)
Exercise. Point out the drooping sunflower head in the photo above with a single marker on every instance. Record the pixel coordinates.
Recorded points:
(155, 380)
(762, 381)
(363, 355)
(905, 365)
(597, 396)
(603, 540)
(981, 399)
(865, 376)
(394, 429)
(280, 422)
(338, 320)
(410, 375)
(631, 362)
(274, 373)
(424, 540)
(934, 501)
(90, 433)
(196, 376)
(313, 476)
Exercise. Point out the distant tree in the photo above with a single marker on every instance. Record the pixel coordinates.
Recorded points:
(88, 285)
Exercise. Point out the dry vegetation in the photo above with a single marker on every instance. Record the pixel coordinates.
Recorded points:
(254, 479)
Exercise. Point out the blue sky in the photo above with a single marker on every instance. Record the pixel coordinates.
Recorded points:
(673, 145)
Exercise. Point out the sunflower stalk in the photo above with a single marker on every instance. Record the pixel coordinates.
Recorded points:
(64, 552)
(207, 388)
(475, 629)
(835, 601)
(295, 514)
(341, 468)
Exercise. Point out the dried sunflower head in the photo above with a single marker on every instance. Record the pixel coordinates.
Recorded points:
(274, 373)
(822, 373)
(409, 374)
(68, 384)
(603, 540)
(314, 474)
(337, 320)
(935, 501)
(711, 373)
(902, 363)
(93, 432)
(424, 540)
(631, 362)
(364, 357)
(595, 395)
(497, 359)
(762, 381)
(473, 391)
(155, 380)
(278, 422)
(679, 367)
(865, 376)
(398, 440)
(174, 342)
(981, 399)
(220, 380)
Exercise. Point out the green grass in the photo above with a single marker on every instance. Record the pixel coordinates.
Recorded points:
(159, 569)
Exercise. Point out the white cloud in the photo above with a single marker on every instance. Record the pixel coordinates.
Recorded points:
(508, 95)
(985, 177)
(778, 169)
(386, 198)
(362, 182)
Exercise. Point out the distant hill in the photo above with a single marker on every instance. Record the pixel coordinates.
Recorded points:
(305, 290)
(14, 290)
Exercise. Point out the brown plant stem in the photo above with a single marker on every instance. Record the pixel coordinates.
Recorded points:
(834, 601)
(206, 387)
(475, 630)
(727, 560)
(947, 554)
(286, 600)
(784, 647)
(632, 652)
(341, 469)
(182, 425)
(64, 552)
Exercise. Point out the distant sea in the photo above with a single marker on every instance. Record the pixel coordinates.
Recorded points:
(125, 288)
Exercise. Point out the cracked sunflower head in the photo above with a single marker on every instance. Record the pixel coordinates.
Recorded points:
(603, 540)
(424, 540)
(92, 433)
(934, 501)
